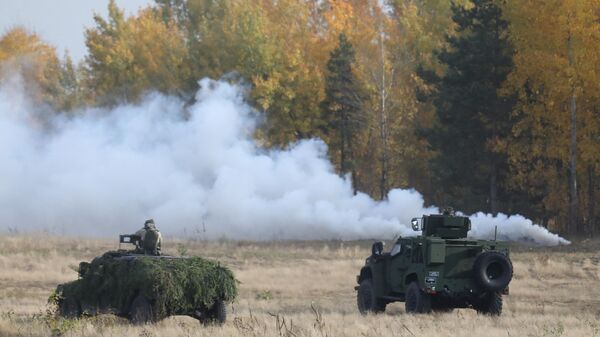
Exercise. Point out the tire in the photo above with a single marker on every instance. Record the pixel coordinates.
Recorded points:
(366, 300)
(69, 308)
(416, 301)
(217, 314)
(490, 304)
(493, 271)
(141, 311)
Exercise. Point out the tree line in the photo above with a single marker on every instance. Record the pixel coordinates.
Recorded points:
(484, 105)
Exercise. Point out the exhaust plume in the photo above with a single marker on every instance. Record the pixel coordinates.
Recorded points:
(197, 171)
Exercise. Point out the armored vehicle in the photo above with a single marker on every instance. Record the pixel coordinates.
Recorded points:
(437, 271)
(148, 288)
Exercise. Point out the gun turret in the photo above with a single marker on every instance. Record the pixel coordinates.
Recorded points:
(445, 225)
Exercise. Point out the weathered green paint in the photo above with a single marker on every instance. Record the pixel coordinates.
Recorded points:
(436, 251)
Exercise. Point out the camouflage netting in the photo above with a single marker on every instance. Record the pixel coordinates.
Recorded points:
(173, 285)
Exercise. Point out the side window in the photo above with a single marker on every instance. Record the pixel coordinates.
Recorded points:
(396, 249)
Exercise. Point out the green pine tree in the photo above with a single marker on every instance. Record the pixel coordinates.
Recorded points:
(343, 105)
(471, 116)
(69, 82)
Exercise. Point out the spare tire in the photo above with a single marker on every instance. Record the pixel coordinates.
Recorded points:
(492, 271)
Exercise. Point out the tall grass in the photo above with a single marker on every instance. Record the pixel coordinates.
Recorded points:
(301, 289)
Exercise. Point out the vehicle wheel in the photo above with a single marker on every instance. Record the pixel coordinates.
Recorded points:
(490, 304)
(141, 310)
(366, 300)
(69, 308)
(416, 301)
(218, 312)
(492, 271)
(215, 315)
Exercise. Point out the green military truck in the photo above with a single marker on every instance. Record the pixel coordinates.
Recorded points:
(147, 288)
(437, 271)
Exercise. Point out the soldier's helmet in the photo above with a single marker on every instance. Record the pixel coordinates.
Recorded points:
(149, 224)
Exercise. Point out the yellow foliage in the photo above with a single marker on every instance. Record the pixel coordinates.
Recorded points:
(24, 53)
(128, 56)
(555, 60)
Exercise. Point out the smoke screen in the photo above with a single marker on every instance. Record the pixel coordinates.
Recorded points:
(197, 171)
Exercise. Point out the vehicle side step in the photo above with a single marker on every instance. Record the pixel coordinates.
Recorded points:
(393, 298)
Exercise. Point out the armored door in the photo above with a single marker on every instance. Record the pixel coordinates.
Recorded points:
(398, 263)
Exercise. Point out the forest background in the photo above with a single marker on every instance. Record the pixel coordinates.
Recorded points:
(482, 105)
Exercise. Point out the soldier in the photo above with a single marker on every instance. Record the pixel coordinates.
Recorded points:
(151, 238)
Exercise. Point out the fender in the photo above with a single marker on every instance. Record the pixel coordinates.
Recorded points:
(365, 273)
(412, 277)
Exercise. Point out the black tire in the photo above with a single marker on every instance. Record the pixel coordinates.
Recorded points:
(140, 311)
(366, 300)
(490, 304)
(217, 314)
(493, 271)
(416, 301)
(69, 308)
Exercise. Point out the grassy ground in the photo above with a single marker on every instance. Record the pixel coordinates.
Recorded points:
(304, 289)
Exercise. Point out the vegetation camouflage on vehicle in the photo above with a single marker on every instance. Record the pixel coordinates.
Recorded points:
(174, 285)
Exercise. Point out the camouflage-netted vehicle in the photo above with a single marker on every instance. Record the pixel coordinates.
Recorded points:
(147, 288)
(440, 270)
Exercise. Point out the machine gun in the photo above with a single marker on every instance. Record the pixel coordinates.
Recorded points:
(134, 239)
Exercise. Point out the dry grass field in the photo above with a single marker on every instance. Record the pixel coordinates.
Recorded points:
(303, 289)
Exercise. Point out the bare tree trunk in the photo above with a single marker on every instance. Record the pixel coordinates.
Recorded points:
(347, 151)
(494, 190)
(355, 178)
(573, 199)
(343, 145)
(369, 180)
(383, 124)
(591, 223)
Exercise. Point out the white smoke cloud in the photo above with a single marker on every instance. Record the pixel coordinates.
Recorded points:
(194, 170)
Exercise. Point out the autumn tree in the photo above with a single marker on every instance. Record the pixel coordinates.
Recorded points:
(294, 88)
(25, 54)
(470, 114)
(273, 46)
(70, 79)
(554, 145)
(281, 49)
(203, 24)
(129, 56)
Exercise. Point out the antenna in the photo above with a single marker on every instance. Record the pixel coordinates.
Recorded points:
(495, 232)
